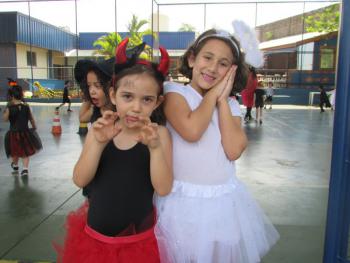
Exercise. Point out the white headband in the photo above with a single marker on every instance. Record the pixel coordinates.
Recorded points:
(221, 34)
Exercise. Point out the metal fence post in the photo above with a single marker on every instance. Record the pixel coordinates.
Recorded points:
(338, 216)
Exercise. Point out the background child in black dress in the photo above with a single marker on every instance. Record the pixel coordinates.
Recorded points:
(20, 141)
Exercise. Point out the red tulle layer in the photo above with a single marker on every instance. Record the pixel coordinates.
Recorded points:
(81, 247)
(21, 144)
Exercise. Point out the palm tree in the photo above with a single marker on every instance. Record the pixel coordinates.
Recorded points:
(136, 35)
(109, 42)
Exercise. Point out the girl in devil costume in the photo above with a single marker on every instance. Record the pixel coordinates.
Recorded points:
(125, 158)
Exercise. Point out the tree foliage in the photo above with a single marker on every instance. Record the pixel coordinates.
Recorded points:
(136, 35)
(187, 28)
(325, 21)
(108, 43)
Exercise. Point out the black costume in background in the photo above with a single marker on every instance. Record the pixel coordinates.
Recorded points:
(259, 98)
(324, 100)
(20, 141)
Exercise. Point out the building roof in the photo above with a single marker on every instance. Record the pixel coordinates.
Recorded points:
(169, 40)
(15, 29)
(291, 41)
(90, 53)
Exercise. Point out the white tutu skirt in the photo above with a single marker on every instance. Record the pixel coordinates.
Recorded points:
(212, 224)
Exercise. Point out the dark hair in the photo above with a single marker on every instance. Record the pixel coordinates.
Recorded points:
(103, 70)
(253, 71)
(195, 48)
(102, 78)
(122, 70)
(15, 92)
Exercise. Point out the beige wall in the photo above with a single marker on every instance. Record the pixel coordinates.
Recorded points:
(57, 58)
(39, 71)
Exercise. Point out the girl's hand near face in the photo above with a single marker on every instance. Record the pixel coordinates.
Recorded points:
(149, 133)
(106, 127)
(227, 83)
(219, 88)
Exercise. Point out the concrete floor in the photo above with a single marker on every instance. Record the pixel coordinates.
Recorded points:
(286, 167)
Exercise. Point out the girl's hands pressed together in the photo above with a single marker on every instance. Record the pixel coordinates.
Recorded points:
(106, 127)
(149, 133)
(227, 83)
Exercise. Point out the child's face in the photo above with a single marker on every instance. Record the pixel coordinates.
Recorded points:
(136, 96)
(96, 92)
(210, 65)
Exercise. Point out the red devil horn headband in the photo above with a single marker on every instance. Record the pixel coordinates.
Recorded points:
(120, 53)
(164, 61)
(121, 57)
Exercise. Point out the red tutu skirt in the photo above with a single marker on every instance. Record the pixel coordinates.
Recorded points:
(85, 245)
(22, 143)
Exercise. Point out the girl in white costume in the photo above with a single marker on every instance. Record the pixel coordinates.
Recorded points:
(209, 217)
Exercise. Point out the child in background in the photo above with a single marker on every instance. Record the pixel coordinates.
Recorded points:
(125, 159)
(65, 97)
(248, 93)
(324, 100)
(209, 216)
(94, 81)
(269, 95)
(20, 141)
(259, 101)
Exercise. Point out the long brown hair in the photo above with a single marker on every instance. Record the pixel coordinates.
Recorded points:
(242, 68)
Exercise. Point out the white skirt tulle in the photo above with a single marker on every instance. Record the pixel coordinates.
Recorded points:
(212, 224)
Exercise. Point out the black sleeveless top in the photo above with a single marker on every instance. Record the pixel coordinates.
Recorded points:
(96, 113)
(121, 192)
(19, 115)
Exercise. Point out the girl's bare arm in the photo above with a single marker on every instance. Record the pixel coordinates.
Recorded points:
(85, 169)
(233, 138)
(31, 119)
(85, 112)
(102, 131)
(6, 114)
(161, 163)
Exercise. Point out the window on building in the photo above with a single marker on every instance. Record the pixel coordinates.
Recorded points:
(31, 58)
(327, 55)
(305, 56)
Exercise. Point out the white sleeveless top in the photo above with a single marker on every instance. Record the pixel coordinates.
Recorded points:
(203, 162)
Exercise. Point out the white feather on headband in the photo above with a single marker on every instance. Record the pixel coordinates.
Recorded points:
(249, 43)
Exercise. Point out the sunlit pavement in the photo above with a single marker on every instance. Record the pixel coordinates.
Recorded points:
(286, 168)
